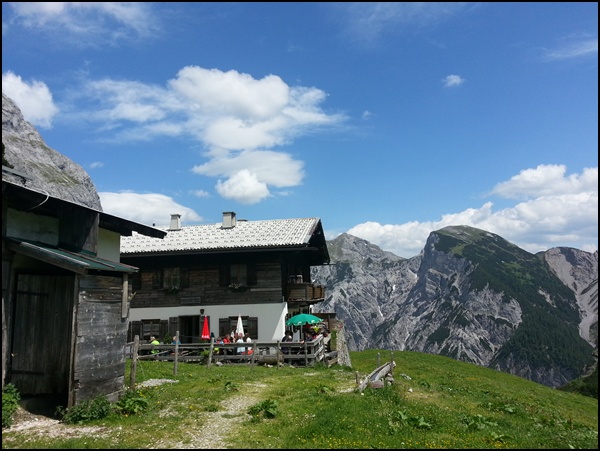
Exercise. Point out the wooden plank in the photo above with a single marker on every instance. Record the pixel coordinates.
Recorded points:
(376, 375)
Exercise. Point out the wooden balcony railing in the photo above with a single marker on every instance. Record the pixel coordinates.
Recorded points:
(308, 292)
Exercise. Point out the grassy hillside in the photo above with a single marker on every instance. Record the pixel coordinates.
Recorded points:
(435, 402)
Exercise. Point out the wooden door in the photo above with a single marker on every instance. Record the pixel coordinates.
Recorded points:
(41, 344)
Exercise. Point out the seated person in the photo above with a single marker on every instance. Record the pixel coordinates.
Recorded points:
(287, 338)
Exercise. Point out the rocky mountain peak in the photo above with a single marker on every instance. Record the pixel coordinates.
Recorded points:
(470, 295)
(45, 169)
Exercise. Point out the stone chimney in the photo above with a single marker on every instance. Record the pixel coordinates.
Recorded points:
(228, 220)
(175, 222)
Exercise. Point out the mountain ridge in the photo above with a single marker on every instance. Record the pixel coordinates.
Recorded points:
(470, 295)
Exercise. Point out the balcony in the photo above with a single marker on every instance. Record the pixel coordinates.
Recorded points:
(303, 294)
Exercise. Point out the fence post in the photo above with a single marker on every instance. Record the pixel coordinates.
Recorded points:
(210, 352)
(254, 350)
(134, 360)
(279, 354)
(305, 354)
(175, 357)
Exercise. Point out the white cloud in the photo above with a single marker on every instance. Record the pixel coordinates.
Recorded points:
(244, 187)
(200, 193)
(273, 168)
(562, 211)
(367, 21)
(451, 81)
(573, 48)
(87, 23)
(231, 114)
(34, 99)
(96, 164)
(237, 118)
(547, 180)
(232, 94)
(149, 209)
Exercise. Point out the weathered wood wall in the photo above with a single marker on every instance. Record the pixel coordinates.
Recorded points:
(100, 339)
(204, 288)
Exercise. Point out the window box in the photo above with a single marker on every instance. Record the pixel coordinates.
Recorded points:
(237, 287)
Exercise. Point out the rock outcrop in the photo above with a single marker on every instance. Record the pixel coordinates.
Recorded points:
(40, 167)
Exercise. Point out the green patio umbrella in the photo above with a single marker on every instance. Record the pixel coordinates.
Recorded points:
(303, 318)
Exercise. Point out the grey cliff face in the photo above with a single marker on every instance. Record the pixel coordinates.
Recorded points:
(469, 295)
(47, 170)
(579, 271)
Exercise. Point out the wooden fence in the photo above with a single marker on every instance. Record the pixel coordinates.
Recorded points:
(296, 353)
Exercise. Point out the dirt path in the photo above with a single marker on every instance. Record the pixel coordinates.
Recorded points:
(212, 435)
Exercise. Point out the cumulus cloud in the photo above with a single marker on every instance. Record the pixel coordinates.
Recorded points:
(238, 119)
(547, 180)
(232, 114)
(244, 187)
(252, 172)
(150, 209)
(450, 81)
(558, 210)
(34, 99)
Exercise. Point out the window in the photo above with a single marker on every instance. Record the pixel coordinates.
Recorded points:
(150, 327)
(171, 278)
(237, 274)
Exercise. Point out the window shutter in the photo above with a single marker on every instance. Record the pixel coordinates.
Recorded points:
(253, 327)
(224, 326)
(251, 273)
(163, 331)
(135, 328)
(173, 325)
(157, 279)
(224, 276)
(185, 277)
(136, 280)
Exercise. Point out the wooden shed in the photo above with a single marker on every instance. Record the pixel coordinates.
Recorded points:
(65, 296)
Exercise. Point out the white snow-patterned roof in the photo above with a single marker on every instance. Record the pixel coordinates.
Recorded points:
(244, 235)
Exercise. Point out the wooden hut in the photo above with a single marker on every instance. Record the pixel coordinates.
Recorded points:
(65, 295)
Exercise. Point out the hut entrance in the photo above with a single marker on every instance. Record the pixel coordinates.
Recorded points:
(41, 334)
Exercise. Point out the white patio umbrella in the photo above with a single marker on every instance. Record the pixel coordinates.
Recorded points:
(240, 326)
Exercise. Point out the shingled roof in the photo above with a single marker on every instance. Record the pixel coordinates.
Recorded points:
(243, 236)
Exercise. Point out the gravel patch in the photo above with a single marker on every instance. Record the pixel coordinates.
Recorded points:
(156, 382)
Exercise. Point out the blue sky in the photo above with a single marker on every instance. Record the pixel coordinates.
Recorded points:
(385, 120)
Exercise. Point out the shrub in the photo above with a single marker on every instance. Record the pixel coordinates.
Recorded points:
(10, 402)
(131, 403)
(93, 409)
(266, 408)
